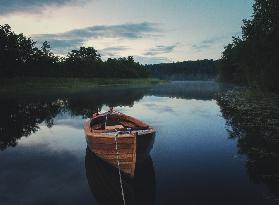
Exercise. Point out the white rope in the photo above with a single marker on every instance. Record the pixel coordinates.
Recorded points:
(106, 120)
(119, 172)
(118, 164)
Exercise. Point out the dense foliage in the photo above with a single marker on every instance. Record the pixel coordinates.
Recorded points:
(253, 58)
(19, 56)
(187, 70)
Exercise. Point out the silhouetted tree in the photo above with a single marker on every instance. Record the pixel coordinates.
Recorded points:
(253, 59)
(16, 51)
(19, 56)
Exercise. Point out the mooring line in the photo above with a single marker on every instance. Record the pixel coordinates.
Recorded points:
(118, 166)
(106, 120)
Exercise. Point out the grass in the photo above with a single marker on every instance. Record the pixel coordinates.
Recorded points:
(21, 84)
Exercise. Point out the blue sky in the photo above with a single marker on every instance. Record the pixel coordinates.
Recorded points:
(153, 31)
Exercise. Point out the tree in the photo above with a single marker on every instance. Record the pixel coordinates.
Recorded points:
(16, 51)
(257, 59)
(84, 55)
(19, 56)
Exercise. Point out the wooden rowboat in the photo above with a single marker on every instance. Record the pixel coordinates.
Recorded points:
(114, 136)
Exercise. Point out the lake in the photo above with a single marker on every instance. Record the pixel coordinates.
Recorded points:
(44, 157)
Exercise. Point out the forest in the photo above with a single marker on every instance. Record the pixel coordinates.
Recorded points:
(187, 70)
(252, 59)
(20, 57)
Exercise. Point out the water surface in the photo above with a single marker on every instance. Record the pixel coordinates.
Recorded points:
(193, 160)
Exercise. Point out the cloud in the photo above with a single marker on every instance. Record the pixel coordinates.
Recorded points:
(70, 122)
(32, 6)
(112, 51)
(76, 37)
(63, 46)
(152, 59)
(205, 44)
(161, 49)
(115, 48)
(159, 108)
(129, 30)
(54, 172)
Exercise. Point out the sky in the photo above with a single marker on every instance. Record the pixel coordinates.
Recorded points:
(153, 31)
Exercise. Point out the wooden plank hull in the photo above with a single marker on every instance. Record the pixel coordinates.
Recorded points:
(130, 147)
(125, 154)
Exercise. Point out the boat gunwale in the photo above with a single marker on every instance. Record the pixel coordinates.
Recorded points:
(104, 133)
(89, 131)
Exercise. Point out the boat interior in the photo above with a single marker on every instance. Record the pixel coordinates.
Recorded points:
(112, 121)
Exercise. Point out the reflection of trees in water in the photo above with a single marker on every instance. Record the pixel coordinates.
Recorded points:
(85, 102)
(254, 122)
(104, 183)
(20, 119)
(21, 116)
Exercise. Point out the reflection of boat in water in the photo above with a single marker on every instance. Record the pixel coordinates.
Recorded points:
(104, 182)
(119, 139)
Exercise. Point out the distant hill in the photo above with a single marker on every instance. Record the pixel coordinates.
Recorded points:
(186, 70)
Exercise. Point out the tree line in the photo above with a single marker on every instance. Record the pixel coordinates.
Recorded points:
(187, 70)
(252, 59)
(20, 57)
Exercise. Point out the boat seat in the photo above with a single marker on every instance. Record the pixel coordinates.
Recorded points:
(114, 127)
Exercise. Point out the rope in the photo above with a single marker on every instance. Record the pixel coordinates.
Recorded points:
(106, 120)
(118, 164)
(119, 172)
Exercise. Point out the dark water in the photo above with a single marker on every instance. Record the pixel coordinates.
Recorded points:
(44, 160)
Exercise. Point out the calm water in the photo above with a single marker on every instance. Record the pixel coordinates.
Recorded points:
(43, 157)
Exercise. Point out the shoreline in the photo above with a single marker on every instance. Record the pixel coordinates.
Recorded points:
(36, 83)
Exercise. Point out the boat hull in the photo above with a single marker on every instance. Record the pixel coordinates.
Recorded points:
(120, 150)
